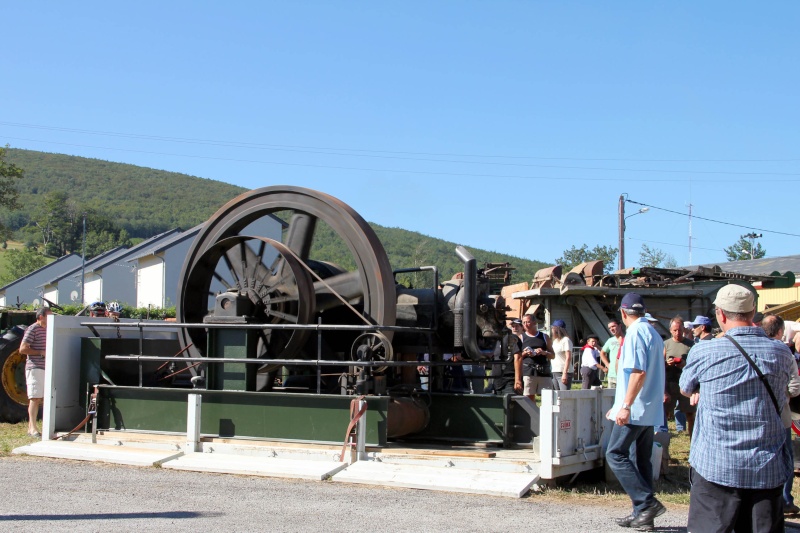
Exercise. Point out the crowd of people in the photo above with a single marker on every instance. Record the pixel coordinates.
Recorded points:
(732, 387)
(727, 388)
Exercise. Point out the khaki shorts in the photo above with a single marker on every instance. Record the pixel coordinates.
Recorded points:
(34, 378)
(536, 384)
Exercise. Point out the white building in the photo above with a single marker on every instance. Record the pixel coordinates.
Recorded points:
(28, 288)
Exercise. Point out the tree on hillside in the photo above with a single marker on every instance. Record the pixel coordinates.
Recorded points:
(60, 223)
(745, 248)
(9, 175)
(21, 263)
(656, 258)
(575, 256)
(54, 222)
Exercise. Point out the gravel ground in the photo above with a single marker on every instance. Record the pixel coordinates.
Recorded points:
(60, 495)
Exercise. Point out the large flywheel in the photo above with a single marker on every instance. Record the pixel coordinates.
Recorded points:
(279, 280)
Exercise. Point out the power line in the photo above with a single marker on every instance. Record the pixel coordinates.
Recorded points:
(372, 153)
(673, 244)
(715, 221)
(397, 171)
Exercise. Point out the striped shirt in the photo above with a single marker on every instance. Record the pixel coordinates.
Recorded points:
(36, 337)
(738, 437)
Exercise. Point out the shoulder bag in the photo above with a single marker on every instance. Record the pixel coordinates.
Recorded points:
(758, 371)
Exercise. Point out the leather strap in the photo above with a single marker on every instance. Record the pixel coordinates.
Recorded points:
(758, 371)
(92, 412)
(355, 414)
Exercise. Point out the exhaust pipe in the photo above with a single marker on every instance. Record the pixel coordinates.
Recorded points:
(466, 306)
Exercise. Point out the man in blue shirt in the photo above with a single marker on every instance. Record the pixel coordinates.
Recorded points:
(738, 461)
(638, 406)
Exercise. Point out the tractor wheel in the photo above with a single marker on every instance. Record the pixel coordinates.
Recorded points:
(13, 393)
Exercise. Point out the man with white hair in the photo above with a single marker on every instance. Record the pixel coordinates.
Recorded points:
(738, 461)
(687, 331)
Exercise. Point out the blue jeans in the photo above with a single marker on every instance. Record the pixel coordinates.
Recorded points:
(635, 474)
(476, 376)
(680, 420)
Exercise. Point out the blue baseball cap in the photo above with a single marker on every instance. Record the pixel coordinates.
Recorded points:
(560, 323)
(632, 302)
(701, 320)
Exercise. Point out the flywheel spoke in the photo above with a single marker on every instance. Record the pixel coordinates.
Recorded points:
(286, 316)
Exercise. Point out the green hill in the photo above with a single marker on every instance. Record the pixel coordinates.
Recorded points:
(146, 202)
(143, 201)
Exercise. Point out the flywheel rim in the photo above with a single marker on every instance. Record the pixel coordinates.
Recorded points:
(372, 263)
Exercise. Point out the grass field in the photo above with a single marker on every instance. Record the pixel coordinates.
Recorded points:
(13, 436)
(12, 245)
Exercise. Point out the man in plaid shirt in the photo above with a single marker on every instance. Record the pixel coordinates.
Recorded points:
(738, 462)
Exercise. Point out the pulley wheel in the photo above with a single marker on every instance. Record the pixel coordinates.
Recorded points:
(377, 345)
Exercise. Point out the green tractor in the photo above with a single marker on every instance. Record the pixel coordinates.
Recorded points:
(13, 394)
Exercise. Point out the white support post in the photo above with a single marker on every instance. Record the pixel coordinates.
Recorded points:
(193, 422)
(547, 433)
(361, 433)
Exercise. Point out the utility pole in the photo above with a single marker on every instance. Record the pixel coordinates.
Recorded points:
(690, 233)
(83, 261)
(622, 218)
(752, 237)
(621, 231)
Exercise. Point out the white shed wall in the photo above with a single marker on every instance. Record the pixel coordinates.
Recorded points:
(52, 294)
(150, 282)
(93, 290)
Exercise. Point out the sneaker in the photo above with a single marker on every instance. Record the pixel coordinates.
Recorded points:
(34, 434)
(644, 522)
(790, 509)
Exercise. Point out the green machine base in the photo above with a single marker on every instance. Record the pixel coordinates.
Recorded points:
(281, 416)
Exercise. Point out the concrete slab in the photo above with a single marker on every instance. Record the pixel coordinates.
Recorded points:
(506, 465)
(255, 466)
(97, 452)
(506, 484)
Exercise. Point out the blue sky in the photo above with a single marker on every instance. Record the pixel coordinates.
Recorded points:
(507, 126)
